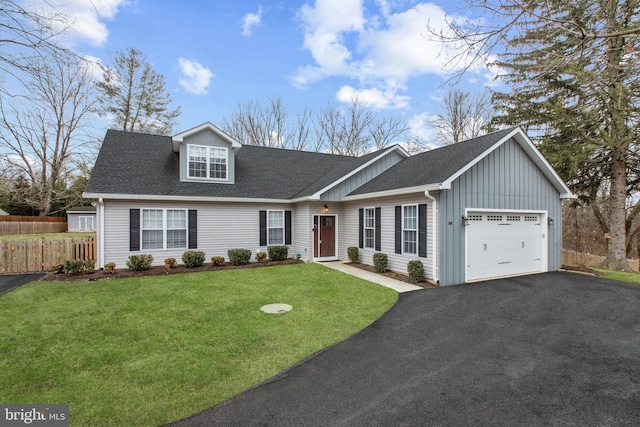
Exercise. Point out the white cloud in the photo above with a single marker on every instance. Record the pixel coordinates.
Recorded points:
(195, 77)
(421, 126)
(382, 48)
(85, 19)
(251, 20)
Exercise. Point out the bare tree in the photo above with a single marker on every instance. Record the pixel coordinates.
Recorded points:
(134, 95)
(269, 125)
(463, 116)
(46, 131)
(26, 33)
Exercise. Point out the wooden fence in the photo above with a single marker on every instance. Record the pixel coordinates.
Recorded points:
(27, 256)
(17, 224)
(589, 260)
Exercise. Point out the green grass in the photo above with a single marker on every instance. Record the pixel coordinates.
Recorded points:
(620, 276)
(146, 351)
(49, 236)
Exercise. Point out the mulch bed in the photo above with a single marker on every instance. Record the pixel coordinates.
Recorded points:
(160, 271)
(393, 275)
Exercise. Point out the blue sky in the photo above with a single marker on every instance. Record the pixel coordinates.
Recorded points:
(217, 54)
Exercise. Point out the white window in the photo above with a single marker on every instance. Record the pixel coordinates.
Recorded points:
(369, 227)
(410, 229)
(207, 162)
(275, 228)
(86, 223)
(164, 229)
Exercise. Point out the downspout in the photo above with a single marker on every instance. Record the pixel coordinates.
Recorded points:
(434, 217)
(100, 232)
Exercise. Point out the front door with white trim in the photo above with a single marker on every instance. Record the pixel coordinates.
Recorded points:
(324, 236)
(501, 244)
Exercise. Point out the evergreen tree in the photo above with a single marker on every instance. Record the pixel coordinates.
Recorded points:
(134, 95)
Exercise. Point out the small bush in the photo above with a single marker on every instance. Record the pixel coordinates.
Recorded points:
(193, 259)
(170, 263)
(140, 262)
(353, 253)
(261, 256)
(110, 267)
(217, 260)
(79, 266)
(380, 262)
(57, 267)
(278, 253)
(239, 256)
(416, 271)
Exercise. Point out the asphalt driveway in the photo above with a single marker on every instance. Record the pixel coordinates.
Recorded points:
(9, 282)
(556, 349)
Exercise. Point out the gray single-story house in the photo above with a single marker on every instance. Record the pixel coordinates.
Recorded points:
(81, 218)
(483, 208)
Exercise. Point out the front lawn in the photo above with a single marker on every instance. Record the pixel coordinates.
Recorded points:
(149, 350)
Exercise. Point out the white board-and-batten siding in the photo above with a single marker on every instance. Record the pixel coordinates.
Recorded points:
(397, 262)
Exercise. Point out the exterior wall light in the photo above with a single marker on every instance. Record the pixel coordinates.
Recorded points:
(550, 220)
(326, 208)
(465, 220)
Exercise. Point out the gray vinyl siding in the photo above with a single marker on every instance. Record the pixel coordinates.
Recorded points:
(210, 139)
(397, 262)
(221, 226)
(505, 179)
(347, 186)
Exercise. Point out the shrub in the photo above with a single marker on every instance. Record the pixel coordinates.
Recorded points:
(380, 262)
(217, 260)
(139, 262)
(278, 253)
(193, 259)
(239, 256)
(261, 256)
(353, 253)
(170, 263)
(110, 267)
(57, 267)
(416, 271)
(78, 266)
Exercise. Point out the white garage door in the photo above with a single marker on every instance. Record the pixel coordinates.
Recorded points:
(504, 244)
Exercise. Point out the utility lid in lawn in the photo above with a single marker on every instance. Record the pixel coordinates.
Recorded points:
(276, 308)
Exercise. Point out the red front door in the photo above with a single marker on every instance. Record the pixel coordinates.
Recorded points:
(324, 236)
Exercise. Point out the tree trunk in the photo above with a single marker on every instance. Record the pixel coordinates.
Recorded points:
(617, 246)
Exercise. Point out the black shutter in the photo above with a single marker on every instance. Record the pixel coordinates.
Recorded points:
(263, 228)
(361, 228)
(398, 227)
(422, 230)
(134, 229)
(287, 227)
(378, 232)
(193, 229)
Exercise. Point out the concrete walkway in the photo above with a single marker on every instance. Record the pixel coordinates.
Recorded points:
(396, 285)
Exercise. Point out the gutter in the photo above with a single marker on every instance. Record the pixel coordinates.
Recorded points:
(434, 218)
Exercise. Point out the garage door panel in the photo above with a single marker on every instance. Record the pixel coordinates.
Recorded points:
(503, 244)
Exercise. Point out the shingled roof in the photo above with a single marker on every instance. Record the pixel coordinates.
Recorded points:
(143, 164)
(431, 167)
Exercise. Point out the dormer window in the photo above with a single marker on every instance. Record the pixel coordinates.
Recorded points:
(207, 162)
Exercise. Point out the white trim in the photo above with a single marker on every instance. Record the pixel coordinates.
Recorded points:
(396, 192)
(402, 152)
(100, 232)
(416, 230)
(336, 238)
(179, 138)
(544, 262)
(364, 227)
(435, 245)
(164, 228)
(160, 198)
(284, 227)
(534, 154)
(208, 164)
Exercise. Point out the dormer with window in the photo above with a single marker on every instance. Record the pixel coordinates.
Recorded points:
(207, 154)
